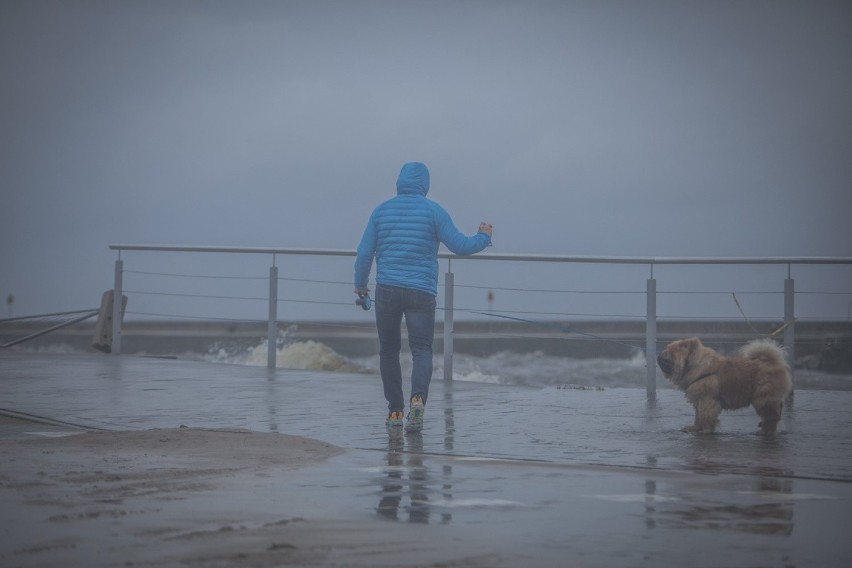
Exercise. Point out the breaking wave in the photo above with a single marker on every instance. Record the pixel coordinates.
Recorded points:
(306, 355)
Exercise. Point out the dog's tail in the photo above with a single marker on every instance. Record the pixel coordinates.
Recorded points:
(765, 350)
(773, 356)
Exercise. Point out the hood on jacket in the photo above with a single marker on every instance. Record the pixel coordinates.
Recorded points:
(413, 179)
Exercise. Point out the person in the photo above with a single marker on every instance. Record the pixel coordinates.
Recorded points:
(403, 234)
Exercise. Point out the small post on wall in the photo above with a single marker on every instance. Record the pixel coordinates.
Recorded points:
(117, 306)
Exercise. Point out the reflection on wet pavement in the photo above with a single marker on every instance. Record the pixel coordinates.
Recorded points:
(600, 478)
(406, 488)
(408, 481)
(757, 512)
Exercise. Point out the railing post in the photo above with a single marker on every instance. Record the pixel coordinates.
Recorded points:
(651, 338)
(790, 319)
(272, 325)
(116, 307)
(448, 322)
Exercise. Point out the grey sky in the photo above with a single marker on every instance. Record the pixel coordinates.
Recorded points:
(599, 128)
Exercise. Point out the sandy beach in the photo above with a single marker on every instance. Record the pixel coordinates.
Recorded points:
(155, 498)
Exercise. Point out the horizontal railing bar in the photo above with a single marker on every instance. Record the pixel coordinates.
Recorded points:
(506, 257)
(244, 250)
(653, 260)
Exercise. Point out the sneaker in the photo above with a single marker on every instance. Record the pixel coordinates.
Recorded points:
(394, 419)
(415, 414)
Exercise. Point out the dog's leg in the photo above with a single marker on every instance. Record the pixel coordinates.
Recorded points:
(706, 416)
(770, 413)
(694, 426)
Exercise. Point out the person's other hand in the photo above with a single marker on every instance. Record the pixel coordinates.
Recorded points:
(485, 228)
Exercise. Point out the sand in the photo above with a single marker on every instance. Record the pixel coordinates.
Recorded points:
(189, 497)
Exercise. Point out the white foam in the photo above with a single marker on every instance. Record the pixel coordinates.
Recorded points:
(636, 498)
(471, 503)
(778, 496)
(477, 376)
(54, 434)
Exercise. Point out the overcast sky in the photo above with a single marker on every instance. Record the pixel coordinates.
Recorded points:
(647, 128)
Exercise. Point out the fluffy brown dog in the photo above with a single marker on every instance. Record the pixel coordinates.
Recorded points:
(758, 375)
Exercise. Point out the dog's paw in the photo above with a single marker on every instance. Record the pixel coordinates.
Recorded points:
(698, 430)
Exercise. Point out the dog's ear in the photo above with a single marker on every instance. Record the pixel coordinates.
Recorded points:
(692, 343)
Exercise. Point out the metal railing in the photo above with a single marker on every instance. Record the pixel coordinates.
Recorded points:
(651, 292)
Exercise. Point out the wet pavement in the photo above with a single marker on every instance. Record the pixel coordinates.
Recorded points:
(555, 477)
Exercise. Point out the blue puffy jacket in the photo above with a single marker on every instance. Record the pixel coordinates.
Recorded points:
(404, 233)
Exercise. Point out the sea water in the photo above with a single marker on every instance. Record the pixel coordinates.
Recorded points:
(519, 359)
(506, 367)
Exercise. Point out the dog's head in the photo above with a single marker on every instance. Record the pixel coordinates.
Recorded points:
(674, 359)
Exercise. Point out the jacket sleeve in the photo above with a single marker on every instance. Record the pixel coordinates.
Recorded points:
(364, 257)
(454, 239)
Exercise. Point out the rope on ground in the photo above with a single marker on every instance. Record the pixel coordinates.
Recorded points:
(48, 318)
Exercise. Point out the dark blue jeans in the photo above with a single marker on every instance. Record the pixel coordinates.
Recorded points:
(418, 308)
